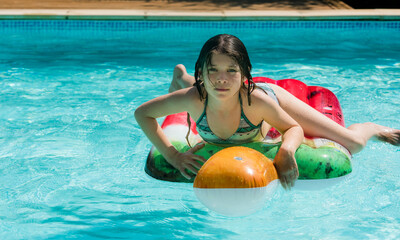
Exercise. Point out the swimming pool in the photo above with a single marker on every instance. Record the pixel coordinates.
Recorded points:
(72, 155)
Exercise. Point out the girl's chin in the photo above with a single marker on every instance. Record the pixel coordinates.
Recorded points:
(223, 95)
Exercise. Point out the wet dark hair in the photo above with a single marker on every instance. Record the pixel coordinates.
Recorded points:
(232, 47)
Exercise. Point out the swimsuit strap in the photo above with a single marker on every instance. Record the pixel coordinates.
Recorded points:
(244, 115)
(204, 112)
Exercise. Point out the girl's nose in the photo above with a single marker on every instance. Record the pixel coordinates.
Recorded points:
(221, 78)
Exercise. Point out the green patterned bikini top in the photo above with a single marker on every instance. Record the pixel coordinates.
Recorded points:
(246, 132)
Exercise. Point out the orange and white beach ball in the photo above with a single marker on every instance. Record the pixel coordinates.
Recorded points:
(236, 181)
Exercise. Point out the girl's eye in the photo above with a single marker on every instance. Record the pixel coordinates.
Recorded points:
(212, 69)
(232, 70)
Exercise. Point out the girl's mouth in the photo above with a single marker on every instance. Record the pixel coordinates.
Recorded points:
(221, 89)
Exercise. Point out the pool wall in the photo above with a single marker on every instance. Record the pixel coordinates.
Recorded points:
(132, 26)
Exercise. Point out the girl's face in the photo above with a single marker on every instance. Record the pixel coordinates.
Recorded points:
(223, 77)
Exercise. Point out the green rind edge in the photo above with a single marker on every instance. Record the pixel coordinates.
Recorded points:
(313, 163)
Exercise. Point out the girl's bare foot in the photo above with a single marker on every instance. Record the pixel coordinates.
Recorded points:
(181, 79)
(389, 135)
(362, 132)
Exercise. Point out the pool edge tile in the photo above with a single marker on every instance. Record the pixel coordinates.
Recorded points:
(89, 14)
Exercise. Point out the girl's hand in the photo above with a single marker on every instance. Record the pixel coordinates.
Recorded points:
(286, 166)
(188, 161)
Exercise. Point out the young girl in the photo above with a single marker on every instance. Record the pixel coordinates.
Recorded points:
(220, 102)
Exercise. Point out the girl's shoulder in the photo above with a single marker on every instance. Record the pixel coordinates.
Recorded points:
(190, 97)
(190, 94)
(258, 98)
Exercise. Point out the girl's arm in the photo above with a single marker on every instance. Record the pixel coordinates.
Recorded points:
(146, 114)
(292, 137)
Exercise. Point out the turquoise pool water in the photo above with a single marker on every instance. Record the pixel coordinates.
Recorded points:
(72, 155)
